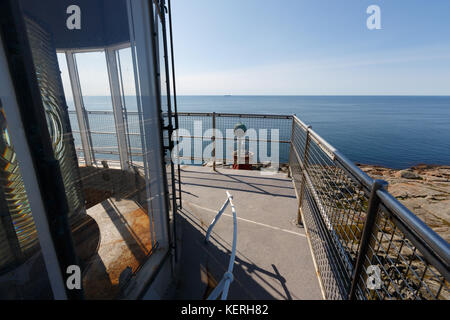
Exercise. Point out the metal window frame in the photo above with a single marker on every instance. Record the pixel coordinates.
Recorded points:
(116, 99)
(114, 87)
(161, 22)
(144, 49)
(83, 122)
(175, 98)
(150, 280)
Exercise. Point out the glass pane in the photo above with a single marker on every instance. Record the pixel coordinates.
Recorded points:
(96, 95)
(94, 82)
(22, 271)
(129, 102)
(112, 227)
(125, 61)
(162, 72)
(65, 80)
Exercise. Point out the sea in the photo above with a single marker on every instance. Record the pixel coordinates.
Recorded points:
(391, 131)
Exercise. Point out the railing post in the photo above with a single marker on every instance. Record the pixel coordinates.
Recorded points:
(214, 140)
(290, 146)
(372, 211)
(82, 117)
(305, 165)
(119, 122)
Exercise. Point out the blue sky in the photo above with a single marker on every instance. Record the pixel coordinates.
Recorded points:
(311, 47)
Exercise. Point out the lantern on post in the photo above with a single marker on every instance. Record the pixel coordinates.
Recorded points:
(241, 156)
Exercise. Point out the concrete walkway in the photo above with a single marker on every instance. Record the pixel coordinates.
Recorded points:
(273, 260)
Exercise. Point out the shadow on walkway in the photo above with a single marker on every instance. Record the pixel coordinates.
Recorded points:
(203, 265)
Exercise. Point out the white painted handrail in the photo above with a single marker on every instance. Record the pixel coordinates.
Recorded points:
(227, 278)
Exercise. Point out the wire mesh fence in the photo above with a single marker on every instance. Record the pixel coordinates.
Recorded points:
(404, 270)
(394, 257)
(263, 132)
(198, 130)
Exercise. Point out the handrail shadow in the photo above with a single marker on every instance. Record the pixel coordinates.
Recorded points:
(213, 258)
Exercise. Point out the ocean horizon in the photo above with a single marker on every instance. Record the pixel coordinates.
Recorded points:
(391, 131)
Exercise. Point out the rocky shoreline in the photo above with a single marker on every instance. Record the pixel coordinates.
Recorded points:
(424, 189)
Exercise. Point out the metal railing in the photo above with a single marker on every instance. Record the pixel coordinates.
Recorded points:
(103, 134)
(365, 243)
(224, 285)
(221, 122)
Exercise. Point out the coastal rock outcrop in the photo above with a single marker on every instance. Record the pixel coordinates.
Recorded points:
(424, 189)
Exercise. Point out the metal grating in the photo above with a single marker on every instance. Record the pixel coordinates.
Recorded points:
(336, 199)
(405, 272)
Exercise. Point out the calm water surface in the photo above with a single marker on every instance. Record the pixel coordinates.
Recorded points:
(393, 131)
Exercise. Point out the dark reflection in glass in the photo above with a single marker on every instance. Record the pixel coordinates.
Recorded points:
(22, 270)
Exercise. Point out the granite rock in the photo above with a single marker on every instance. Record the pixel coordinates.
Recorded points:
(424, 189)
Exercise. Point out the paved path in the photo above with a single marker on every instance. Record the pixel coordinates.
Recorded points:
(273, 259)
